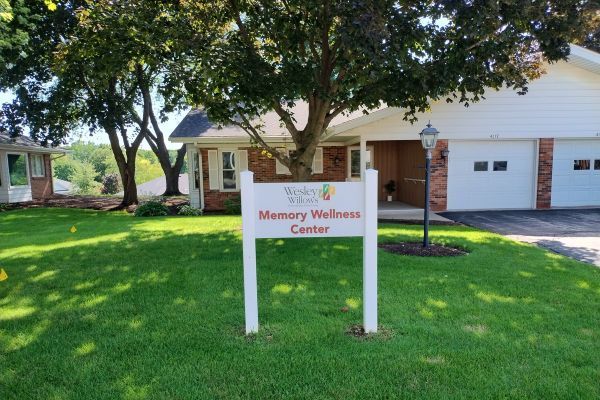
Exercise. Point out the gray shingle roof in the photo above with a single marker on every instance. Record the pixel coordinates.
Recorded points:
(26, 142)
(196, 124)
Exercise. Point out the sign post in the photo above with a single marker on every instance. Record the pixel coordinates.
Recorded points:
(249, 253)
(310, 209)
(370, 253)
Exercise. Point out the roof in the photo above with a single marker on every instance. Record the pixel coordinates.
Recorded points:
(156, 187)
(25, 143)
(584, 58)
(197, 125)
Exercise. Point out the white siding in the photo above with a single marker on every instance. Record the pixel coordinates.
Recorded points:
(18, 194)
(195, 200)
(12, 194)
(3, 177)
(565, 102)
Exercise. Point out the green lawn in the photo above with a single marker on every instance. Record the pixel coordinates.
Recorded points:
(153, 308)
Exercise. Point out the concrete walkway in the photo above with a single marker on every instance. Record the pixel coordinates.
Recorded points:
(574, 232)
(397, 211)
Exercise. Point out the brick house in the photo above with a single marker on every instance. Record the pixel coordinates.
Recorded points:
(508, 151)
(25, 169)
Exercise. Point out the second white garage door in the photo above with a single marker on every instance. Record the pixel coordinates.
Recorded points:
(485, 175)
(576, 173)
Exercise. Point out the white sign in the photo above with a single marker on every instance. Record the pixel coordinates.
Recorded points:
(312, 209)
(286, 210)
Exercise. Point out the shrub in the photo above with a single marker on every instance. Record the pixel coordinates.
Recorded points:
(4, 207)
(83, 180)
(151, 208)
(110, 184)
(233, 205)
(189, 211)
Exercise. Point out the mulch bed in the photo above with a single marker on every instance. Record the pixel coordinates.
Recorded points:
(417, 249)
(91, 203)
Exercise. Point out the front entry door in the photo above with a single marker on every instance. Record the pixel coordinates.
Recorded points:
(353, 157)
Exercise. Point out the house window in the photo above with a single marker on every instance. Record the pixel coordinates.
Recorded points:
(17, 170)
(597, 165)
(196, 170)
(581, 165)
(355, 163)
(500, 165)
(37, 166)
(228, 177)
(479, 166)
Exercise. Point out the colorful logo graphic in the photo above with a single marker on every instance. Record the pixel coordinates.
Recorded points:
(328, 191)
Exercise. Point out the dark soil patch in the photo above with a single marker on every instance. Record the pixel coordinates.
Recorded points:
(93, 203)
(358, 332)
(417, 249)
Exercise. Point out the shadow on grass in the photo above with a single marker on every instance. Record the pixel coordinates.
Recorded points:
(136, 308)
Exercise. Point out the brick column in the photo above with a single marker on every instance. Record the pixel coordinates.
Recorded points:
(41, 187)
(439, 178)
(544, 177)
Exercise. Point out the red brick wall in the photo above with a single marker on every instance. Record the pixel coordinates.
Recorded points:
(264, 171)
(41, 187)
(438, 200)
(544, 178)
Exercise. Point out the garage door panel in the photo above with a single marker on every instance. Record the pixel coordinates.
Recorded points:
(470, 189)
(570, 187)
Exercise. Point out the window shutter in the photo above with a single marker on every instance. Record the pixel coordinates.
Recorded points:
(281, 169)
(317, 166)
(243, 160)
(213, 170)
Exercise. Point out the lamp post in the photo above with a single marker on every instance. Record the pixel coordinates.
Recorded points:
(428, 140)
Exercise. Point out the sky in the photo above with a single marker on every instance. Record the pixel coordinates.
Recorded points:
(167, 127)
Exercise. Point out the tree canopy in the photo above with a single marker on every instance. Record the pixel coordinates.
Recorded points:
(93, 64)
(338, 56)
(103, 62)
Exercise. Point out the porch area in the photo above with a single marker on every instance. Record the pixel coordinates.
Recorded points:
(399, 211)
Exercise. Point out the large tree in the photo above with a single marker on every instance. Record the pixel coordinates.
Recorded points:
(338, 56)
(139, 34)
(91, 63)
(58, 90)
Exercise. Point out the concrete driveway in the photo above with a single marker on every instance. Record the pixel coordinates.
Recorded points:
(574, 233)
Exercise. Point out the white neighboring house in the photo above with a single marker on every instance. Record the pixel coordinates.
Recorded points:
(25, 169)
(62, 187)
(156, 187)
(539, 150)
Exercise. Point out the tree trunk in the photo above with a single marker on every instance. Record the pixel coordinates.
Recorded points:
(172, 181)
(300, 172)
(126, 165)
(301, 165)
(127, 171)
(130, 196)
(171, 172)
(156, 139)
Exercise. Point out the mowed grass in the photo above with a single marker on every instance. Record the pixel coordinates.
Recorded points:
(131, 308)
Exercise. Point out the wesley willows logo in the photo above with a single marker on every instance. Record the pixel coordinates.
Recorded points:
(304, 195)
(328, 191)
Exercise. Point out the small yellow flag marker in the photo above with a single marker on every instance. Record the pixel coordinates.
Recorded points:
(73, 229)
(3, 275)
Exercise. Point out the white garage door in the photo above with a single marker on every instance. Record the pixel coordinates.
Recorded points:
(485, 175)
(576, 173)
